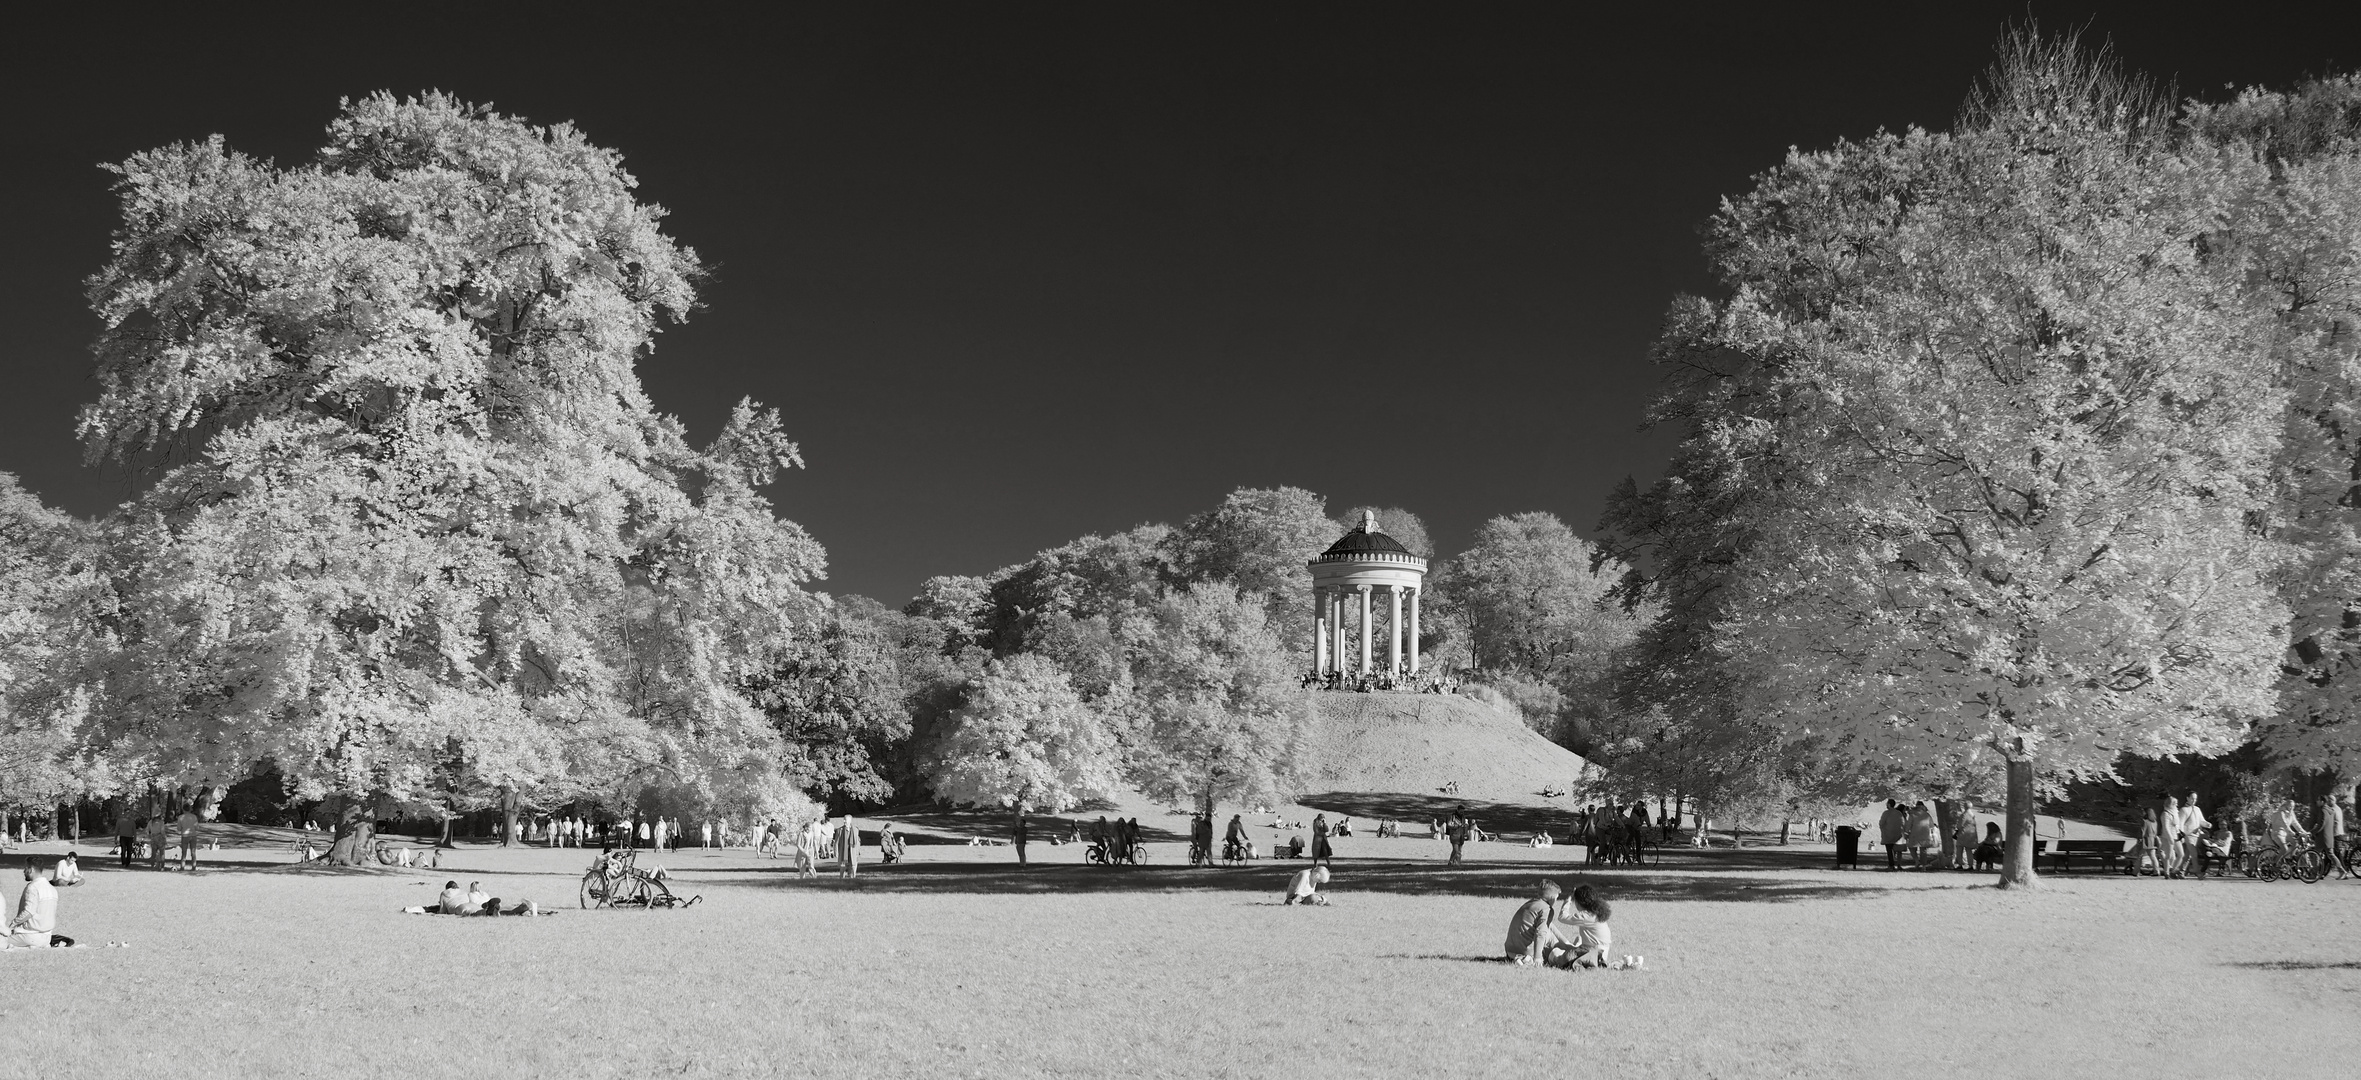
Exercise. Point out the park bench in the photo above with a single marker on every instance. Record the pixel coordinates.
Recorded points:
(2106, 851)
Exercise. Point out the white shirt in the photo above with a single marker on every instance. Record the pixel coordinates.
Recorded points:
(1301, 886)
(36, 909)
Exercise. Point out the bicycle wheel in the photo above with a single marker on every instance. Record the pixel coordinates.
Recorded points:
(2268, 865)
(594, 887)
(2306, 866)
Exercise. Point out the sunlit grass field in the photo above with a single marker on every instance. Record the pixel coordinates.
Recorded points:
(1760, 963)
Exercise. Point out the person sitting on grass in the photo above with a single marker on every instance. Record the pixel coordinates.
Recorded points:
(36, 911)
(1585, 916)
(1532, 935)
(1304, 887)
(452, 901)
(1988, 853)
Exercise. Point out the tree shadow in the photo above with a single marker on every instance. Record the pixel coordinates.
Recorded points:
(955, 825)
(1499, 879)
(2300, 965)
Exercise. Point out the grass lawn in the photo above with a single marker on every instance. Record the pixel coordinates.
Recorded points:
(1760, 963)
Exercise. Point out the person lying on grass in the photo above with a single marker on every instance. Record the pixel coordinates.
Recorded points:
(1304, 888)
(452, 901)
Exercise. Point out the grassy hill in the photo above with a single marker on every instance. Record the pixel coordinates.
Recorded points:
(1416, 743)
(1389, 756)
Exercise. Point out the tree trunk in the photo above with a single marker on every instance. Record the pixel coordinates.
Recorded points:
(1019, 832)
(2016, 864)
(1783, 825)
(1947, 830)
(508, 809)
(356, 840)
(445, 842)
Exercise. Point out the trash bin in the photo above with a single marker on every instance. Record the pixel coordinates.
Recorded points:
(1848, 847)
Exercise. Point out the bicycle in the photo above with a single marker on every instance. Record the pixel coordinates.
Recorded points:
(616, 881)
(2303, 864)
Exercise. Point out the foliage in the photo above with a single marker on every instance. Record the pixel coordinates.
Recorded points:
(838, 697)
(1212, 712)
(53, 600)
(1975, 448)
(2299, 224)
(1026, 741)
(413, 527)
(1259, 540)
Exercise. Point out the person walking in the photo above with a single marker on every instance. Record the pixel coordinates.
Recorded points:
(2168, 836)
(1321, 853)
(191, 826)
(126, 833)
(2194, 826)
(1020, 838)
(1890, 827)
(1458, 829)
(848, 849)
(2332, 833)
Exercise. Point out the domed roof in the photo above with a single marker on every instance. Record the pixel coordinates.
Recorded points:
(1365, 538)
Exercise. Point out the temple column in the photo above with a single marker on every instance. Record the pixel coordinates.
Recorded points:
(1319, 631)
(1414, 594)
(1393, 655)
(1368, 632)
(1336, 629)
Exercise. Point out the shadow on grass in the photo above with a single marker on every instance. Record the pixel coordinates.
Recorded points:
(2301, 965)
(962, 822)
(1492, 878)
(1444, 956)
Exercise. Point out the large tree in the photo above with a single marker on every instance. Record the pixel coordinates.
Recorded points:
(2300, 227)
(2007, 427)
(53, 600)
(1212, 710)
(1024, 741)
(411, 527)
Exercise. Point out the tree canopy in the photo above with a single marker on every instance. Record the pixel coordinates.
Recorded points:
(411, 526)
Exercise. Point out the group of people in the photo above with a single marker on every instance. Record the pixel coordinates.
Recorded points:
(2176, 838)
(1916, 831)
(472, 901)
(149, 835)
(1565, 930)
(1120, 841)
(1396, 682)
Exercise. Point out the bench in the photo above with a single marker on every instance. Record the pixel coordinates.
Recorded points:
(2106, 851)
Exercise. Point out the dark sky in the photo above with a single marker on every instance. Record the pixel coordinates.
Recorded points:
(1015, 273)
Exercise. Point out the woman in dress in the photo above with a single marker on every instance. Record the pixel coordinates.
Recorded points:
(1320, 850)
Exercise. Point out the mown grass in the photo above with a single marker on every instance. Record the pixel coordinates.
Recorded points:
(1760, 963)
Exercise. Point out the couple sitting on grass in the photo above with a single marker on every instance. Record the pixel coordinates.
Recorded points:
(1564, 931)
(472, 901)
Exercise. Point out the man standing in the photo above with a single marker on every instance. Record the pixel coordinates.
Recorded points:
(126, 832)
(2193, 830)
(1890, 827)
(1458, 830)
(36, 911)
(848, 849)
(1020, 838)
